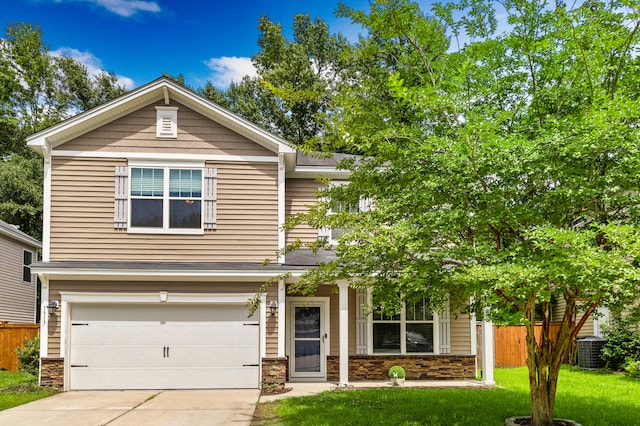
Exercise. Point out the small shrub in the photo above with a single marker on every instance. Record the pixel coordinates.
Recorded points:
(396, 369)
(632, 367)
(623, 341)
(29, 356)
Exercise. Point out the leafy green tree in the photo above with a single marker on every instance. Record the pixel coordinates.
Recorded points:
(21, 193)
(296, 80)
(504, 172)
(37, 90)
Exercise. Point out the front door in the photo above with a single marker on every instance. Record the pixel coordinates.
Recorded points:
(309, 340)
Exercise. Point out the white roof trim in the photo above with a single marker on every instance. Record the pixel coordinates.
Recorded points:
(80, 124)
(11, 231)
(162, 274)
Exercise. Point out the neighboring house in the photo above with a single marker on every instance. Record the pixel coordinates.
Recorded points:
(18, 288)
(159, 211)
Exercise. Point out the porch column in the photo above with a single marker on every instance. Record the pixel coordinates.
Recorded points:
(487, 353)
(344, 333)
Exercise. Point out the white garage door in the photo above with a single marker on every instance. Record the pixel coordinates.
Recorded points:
(163, 346)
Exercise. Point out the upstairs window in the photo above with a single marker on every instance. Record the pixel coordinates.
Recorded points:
(27, 260)
(165, 199)
(332, 234)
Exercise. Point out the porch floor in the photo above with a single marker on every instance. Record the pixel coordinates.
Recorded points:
(312, 388)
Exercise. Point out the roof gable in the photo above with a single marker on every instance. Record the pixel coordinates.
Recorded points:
(162, 88)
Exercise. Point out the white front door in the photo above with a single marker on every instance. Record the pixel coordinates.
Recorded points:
(309, 339)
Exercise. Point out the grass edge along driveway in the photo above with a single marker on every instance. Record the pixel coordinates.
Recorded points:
(588, 397)
(20, 388)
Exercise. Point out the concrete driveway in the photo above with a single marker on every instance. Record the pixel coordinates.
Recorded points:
(117, 408)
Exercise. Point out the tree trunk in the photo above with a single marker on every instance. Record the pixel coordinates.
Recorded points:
(544, 358)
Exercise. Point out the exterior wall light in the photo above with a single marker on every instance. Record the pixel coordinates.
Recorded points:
(273, 306)
(52, 307)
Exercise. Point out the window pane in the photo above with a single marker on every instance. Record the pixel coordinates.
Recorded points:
(146, 213)
(419, 337)
(185, 214)
(185, 183)
(307, 322)
(386, 338)
(147, 182)
(307, 356)
(27, 258)
(417, 311)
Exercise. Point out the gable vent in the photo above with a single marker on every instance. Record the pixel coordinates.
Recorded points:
(166, 122)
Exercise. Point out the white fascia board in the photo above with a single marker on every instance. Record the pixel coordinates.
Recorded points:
(314, 171)
(164, 274)
(16, 234)
(96, 117)
(233, 121)
(151, 156)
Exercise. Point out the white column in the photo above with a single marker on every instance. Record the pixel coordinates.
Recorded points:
(344, 333)
(487, 353)
(282, 317)
(281, 206)
(44, 319)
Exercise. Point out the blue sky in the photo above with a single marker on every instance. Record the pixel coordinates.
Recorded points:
(207, 40)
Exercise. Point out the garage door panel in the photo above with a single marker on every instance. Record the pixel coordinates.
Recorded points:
(163, 346)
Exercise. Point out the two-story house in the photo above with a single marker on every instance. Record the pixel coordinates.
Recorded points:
(160, 208)
(18, 288)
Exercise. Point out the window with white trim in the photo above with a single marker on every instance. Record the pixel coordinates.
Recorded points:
(172, 199)
(332, 234)
(410, 331)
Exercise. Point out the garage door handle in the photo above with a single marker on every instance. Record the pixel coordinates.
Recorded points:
(165, 351)
(250, 365)
(79, 365)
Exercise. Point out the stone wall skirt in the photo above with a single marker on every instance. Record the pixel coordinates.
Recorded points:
(417, 367)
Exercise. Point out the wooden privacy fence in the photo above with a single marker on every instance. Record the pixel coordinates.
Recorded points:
(12, 336)
(511, 346)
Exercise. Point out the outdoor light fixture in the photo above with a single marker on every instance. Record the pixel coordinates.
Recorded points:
(52, 307)
(273, 306)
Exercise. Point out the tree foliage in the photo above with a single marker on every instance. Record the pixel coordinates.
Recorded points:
(295, 83)
(503, 172)
(37, 90)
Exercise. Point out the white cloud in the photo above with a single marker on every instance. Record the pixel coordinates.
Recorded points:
(124, 8)
(92, 63)
(229, 68)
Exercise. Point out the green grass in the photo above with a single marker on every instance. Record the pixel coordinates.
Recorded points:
(19, 388)
(589, 398)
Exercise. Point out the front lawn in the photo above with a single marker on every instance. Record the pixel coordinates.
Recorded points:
(19, 388)
(591, 398)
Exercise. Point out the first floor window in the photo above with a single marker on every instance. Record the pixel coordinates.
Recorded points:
(27, 260)
(411, 331)
(166, 198)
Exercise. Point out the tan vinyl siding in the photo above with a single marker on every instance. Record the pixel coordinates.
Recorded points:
(299, 194)
(17, 297)
(136, 132)
(82, 194)
(56, 287)
(334, 318)
(460, 333)
(272, 323)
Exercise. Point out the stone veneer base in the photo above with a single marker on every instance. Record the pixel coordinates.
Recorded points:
(52, 372)
(274, 374)
(417, 367)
